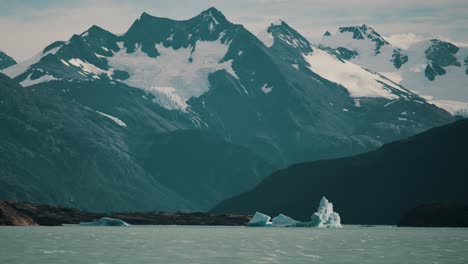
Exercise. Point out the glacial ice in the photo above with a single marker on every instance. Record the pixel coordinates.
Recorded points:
(283, 220)
(260, 219)
(325, 216)
(105, 221)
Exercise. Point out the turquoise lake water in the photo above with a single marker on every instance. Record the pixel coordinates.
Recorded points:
(223, 245)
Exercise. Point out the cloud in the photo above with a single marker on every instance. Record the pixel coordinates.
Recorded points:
(404, 41)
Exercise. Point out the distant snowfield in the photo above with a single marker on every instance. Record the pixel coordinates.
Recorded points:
(21, 67)
(177, 75)
(449, 91)
(29, 82)
(358, 81)
(266, 37)
(453, 107)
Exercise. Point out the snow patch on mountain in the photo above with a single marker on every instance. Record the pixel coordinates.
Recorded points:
(452, 85)
(113, 118)
(89, 68)
(370, 54)
(429, 67)
(168, 98)
(266, 89)
(20, 68)
(186, 70)
(358, 81)
(266, 37)
(453, 107)
(45, 78)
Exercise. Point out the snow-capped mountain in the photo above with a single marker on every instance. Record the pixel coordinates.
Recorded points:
(282, 101)
(171, 59)
(435, 69)
(5, 60)
(280, 98)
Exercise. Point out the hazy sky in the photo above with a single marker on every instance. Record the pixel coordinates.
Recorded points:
(27, 26)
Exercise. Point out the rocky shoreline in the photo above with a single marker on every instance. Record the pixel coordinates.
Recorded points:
(29, 214)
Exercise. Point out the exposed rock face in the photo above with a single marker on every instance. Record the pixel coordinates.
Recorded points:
(27, 214)
(10, 216)
(436, 215)
(6, 61)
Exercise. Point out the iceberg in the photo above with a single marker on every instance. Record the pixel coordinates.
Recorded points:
(284, 221)
(325, 216)
(105, 221)
(260, 219)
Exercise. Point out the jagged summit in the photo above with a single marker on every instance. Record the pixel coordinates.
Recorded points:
(433, 67)
(213, 13)
(6, 61)
(281, 33)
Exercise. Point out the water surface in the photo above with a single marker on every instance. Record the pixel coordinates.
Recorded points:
(224, 245)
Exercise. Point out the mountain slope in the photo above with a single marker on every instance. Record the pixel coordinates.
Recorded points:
(434, 68)
(6, 61)
(59, 152)
(255, 108)
(373, 188)
(200, 166)
(279, 101)
(77, 146)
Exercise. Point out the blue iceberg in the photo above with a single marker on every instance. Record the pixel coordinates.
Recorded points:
(284, 221)
(105, 221)
(260, 219)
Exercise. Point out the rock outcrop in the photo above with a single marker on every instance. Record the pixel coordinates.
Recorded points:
(27, 214)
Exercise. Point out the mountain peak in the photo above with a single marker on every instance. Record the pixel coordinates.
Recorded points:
(361, 32)
(442, 53)
(281, 33)
(364, 32)
(214, 14)
(278, 22)
(6, 61)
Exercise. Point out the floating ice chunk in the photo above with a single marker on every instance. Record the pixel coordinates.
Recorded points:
(325, 216)
(334, 221)
(283, 220)
(260, 219)
(105, 221)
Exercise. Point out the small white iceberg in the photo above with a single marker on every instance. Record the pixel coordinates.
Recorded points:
(260, 219)
(284, 221)
(105, 221)
(325, 216)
